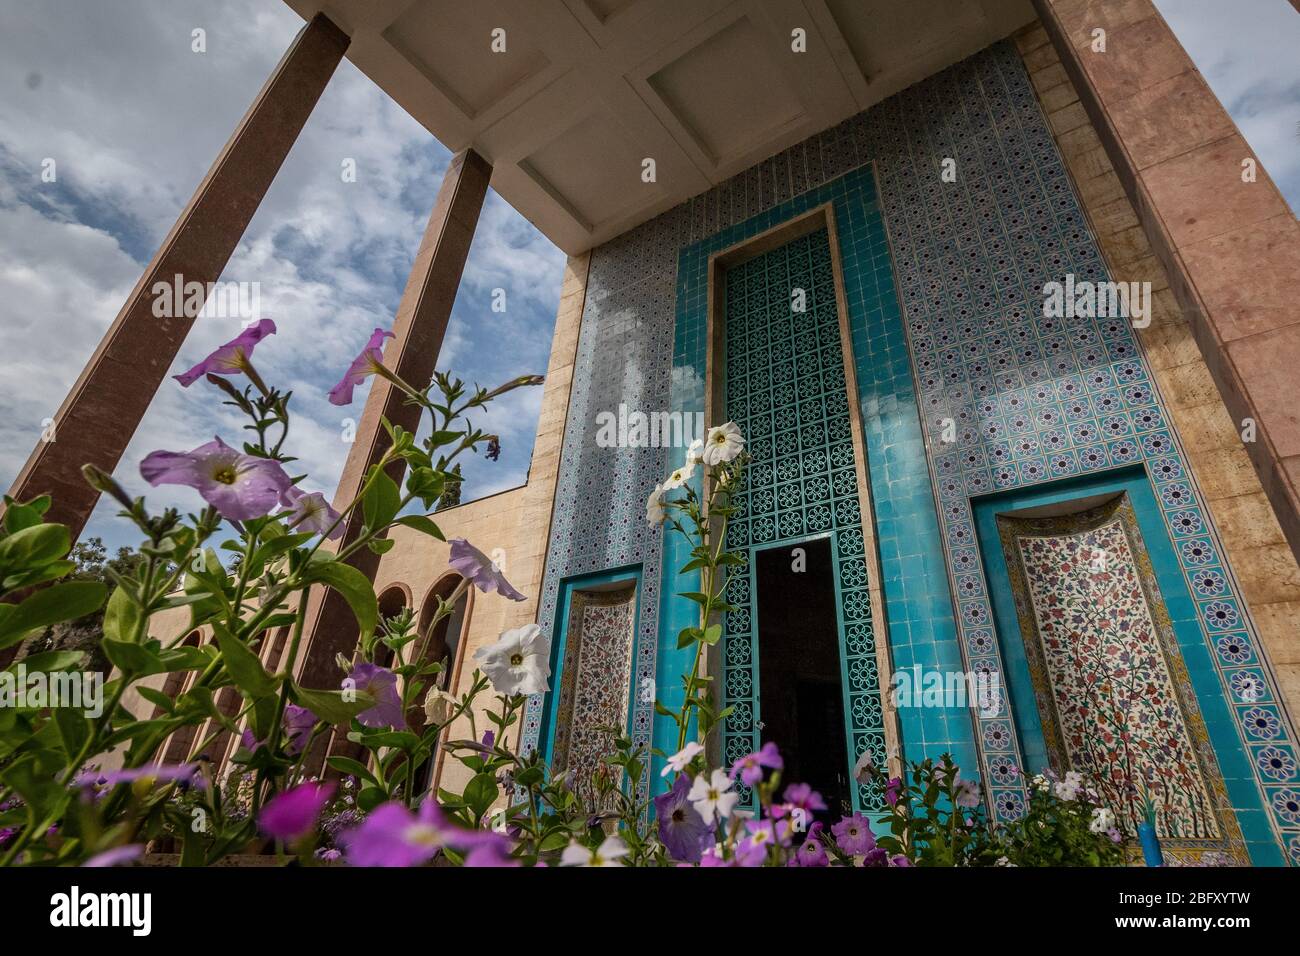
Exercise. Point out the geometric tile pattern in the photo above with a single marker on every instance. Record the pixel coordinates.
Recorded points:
(1027, 398)
(1024, 398)
(785, 388)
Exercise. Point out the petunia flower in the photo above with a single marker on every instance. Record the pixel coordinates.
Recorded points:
(966, 793)
(679, 476)
(801, 796)
(231, 358)
(381, 684)
(239, 486)
(1102, 820)
(862, 769)
(696, 452)
(681, 828)
(654, 507)
(678, 761)
(291, 815)
(750, 767)
(116, 856)
(713, 797)
(146, 775)
(367, 363)
(607, 854)
(297, 724)
(480, 570)
(392, 835)
(519, 662)
(893, 789)
(495, 853)
(438, 706)
(853, 835)
(723, 444)
(309, 511)
(811, 852)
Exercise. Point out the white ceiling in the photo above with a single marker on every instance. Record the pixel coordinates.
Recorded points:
(586, 90)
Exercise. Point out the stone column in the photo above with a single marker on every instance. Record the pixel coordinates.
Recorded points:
(1216, 222)
(421, 320)
(101, 412)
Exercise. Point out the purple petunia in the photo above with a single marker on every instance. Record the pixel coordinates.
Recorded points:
(297, 725)
(309, 511)
(803, 797)
(893, 788)
(186, 773)
(116, 856)
(230, 358)
(751, 767)
(367, 363)
(681, 828)
(480, 570)
(811, 852)
(239, 486)
(381, 684)
(290, 815)
(392, 835)
(853, 835)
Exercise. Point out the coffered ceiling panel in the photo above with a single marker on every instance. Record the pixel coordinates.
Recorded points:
(586, 90)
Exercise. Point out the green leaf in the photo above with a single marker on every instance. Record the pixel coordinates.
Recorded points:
(355, 588)
(382, 499)
(122, 616)
(380, 545)
(51, 661)
(135, 659)
(352, 767)
(243, 665)
(712, 634)
(688, 636)
(480, 793)
(59, 602)
(157, 698)
(422, 523)
(329, 705)
(33, 547)
(26, 515)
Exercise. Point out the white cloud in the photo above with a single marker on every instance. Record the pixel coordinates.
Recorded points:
(134, 118)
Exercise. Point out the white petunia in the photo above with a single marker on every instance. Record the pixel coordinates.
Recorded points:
(1102, 820)
(680, 476)
(723, 444)
(678, 761)
(696, 452)
(438, 706)
(713, 799)
(654, 506)
(607, 854)
(863, 765)
(519, 662)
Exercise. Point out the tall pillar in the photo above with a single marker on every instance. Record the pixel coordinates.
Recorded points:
(1216, 222)
(418, 329)
(104, 407)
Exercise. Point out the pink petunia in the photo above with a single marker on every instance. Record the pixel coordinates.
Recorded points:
(290, 815)
(367, 363)
(231, 358)
(239, 486)
(480, 570)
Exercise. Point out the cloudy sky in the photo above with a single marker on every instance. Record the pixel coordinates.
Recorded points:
(132, 117)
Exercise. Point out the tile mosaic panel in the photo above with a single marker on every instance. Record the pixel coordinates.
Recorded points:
(595, 681)
(1108, 676)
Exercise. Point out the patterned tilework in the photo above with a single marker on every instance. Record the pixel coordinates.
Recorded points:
(785, 388)
(1031, 399)
(1027, 399)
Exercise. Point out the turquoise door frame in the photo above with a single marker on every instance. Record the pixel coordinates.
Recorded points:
(629, 573)
(1229, 751)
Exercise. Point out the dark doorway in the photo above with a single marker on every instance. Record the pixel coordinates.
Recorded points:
(801, 699)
